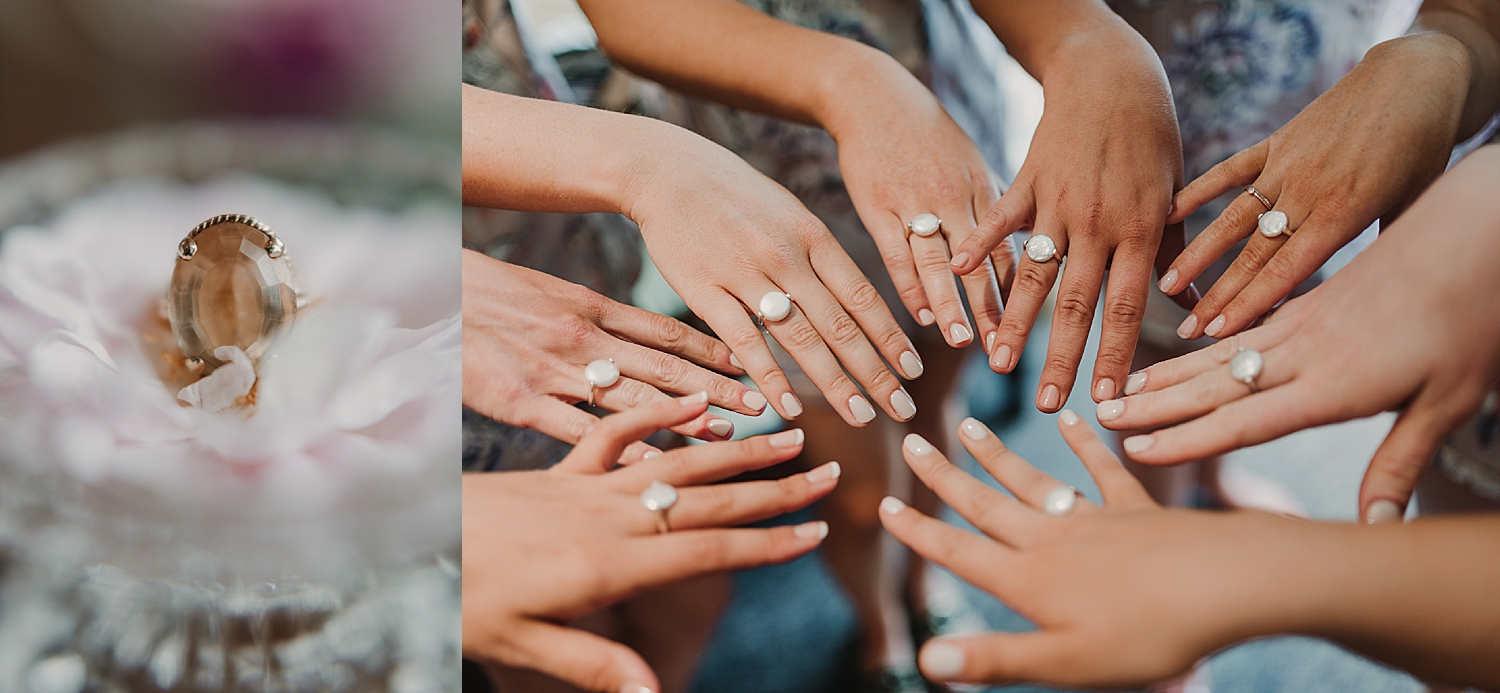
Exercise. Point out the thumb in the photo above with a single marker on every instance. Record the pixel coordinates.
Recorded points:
(1399, 462)
(582, 659)
(997, 658)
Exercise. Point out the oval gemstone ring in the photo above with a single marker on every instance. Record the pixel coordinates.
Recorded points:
(232, 286)
(1272, 224)
(1041, 248)
(659, 498)
(774, 307)
(1245, 366)
(924, 224)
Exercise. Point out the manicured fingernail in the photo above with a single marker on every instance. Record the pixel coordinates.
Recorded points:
(911, 365)
(690, 400)
(891, 505)
(974, 429)
(901, 402)
(1110, 410)
(1171, 207)
(1068, 417)
(1135, 444)
(960, 334)
(1168, 281)
(635, 688)
(989, 341)
(861, 409)
(790, 405)
(786, 439)
(1382, 511)
(917, 444)
(1214, 327)
(811, 530)
(650, 454)
(1185, 330)
(720, 427)
(942, 661)
(754, 400)
(1104, 389)
(735, 361)
(1049, 399)
(1135, 383)
(824, 473)
(925, 317)
(961, 260)
(1001, 359)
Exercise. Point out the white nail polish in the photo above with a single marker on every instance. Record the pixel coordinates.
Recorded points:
(635, 688)
(989, 341)
(824, 473)
(891, 505)
(942, 661)
(1215, 326)
(650, 454)
(754, 400)
(786, 439)
(690, 400)
(973, 429)
(861, 409)
(1383, 511)
(911, 365)
(790, 405)
(959, 333)
(1136, 444)
(1168, 281)
(735, 361)
(1135, 383)
(925, 317)
(1110, 410)
(917, 444)
(720, 427)
(1185, 330)
(811, 530)
(901, 402)
(1069, 418)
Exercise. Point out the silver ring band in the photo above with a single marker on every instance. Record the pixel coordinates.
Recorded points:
(1256, 194)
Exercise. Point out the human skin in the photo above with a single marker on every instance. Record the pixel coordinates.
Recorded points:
(1362, 151)
(722, 234)
(900, 153)
(544, 547)
(1128, 594)
(1412, 325)
(528, 337)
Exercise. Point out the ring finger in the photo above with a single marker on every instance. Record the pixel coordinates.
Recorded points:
(1033, 282)
(842, 335)
(1187, 400)
(1027, 483)
(628, 394)
(797, 335)
(730, 505)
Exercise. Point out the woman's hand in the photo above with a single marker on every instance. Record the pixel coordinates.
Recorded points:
(902, 156)
(1365, 148)
(541, 548)
(1097, 182)
(725, 236)
(528, 337)
(1412, 324)
(1122, 595)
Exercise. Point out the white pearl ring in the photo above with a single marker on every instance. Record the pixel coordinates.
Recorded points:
(1245, 366)
(1041, 248)
(600, 374)
(924, 225)
(659, 498)
(774, 307)
(1271, 223)
(1060, 501)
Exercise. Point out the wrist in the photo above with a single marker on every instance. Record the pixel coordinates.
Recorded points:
(1472, 53)
(862, 81)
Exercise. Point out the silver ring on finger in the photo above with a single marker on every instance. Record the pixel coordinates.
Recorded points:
(1251, 191)
(1245, 366)
(924, 225)
(601, 374)
(1272, 224)
(774, 307)
(1041, 249)
(659, 498)
(1060, 501)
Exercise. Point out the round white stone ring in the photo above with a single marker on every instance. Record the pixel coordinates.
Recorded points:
(232, 286)
(774, 307)
(1060, 501)
(1245, 367)
(600, 374)
(659, 498)
(924, 225)
(1041, 248)
(1272, 224)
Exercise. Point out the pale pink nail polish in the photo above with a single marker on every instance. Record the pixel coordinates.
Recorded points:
(960, 334)
(786, 439)
(1185, 330)
(754, 400)
(925, 317)
(1135, 444)
(824, 473)
(790, 405)
(989, 341)
(1049, 399)
(1110, 410)
(811, 530)
(720, 427)
(917, 444)
(1168, 281)
(860, 408)
(891, 505)
(1001, 359)
(1214, 327)
(1104, 389)
(1135, 383)
(1069, 418)
(960, 260)
(911, 364)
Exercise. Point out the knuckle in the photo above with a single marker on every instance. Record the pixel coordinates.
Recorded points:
(670, 332)
(666, 371)
(800, 335)
(1125, 310)
(709, 549)
(1033, 275)
(576, 332)
(1074, 309)
(843, 331)
(862, 297)
(1281, 270)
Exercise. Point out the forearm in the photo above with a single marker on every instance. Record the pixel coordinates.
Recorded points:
(1476, 25)
(1034, 32)
(535, 155)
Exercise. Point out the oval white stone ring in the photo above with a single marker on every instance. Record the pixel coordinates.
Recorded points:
(1245, 367)
(232, 286)
(600, 374)
(774, 307)
(1060, 501)
(659, 498)
(1041, 248)
(924, 225)
(1272, 224)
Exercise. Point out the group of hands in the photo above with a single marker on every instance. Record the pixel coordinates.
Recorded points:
(1412, 324)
